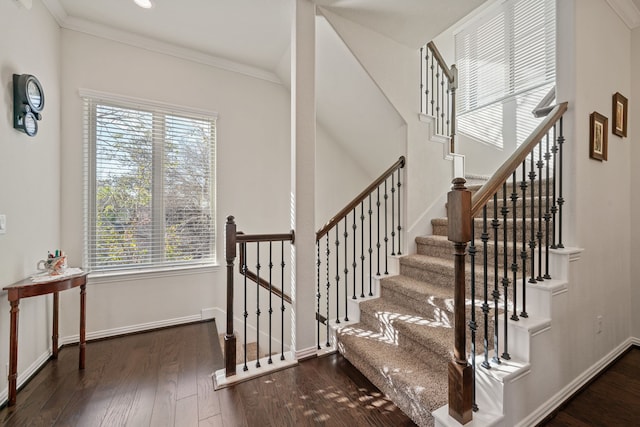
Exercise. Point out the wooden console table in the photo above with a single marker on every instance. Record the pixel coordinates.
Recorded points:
(27, 288)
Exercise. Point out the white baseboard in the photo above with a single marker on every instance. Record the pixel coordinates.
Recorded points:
(306, 353)
(24, 376)
(560, 397)
(205, 314)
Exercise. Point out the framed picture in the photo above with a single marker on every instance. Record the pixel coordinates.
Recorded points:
(598, 133)
(619, 115)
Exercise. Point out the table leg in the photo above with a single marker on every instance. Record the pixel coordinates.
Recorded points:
(54, 334)
(83, 324)
(13, 353)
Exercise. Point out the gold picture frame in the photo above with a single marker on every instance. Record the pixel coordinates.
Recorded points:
(619, 114)
(598, 133)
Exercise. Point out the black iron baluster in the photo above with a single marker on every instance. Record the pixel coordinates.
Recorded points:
(337, 274)
(370, 248)
(523, 253)
(485, 305)
(362, 249)
(269, 361)
(246, 312)
(540, 166)
(422, 89)
(514, 263)
(354, 264)
(399, 185)
(554, 207)
(443, 95)
(433, 88)
(560, 198)
(547, 215)
(393, 216)
(505, 258)
(318, 296)
(346, 270)
(386, 236)
(473, 326)
(496, 293)
(328, 290)
(532, 240)
(282, 265)
(437, 112)
(378, 243)
(257, 306)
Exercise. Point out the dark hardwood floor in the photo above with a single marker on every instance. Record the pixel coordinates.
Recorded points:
(613, 399)
(163, 378)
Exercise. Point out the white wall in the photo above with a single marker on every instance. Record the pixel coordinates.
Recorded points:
(592, 66)
(394, 69)
(253, 157)
(30, 171)
(633, 118)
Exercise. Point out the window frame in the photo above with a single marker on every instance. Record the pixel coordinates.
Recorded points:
(91, 99)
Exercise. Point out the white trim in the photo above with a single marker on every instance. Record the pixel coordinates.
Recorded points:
(134, 275)
(220, 380)
(627, 11)
(140, 102)
(106, 333)
(560, 397)
(26, 374)
(306, 353)
(103, 31)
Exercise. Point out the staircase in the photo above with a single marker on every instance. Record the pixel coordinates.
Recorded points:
(404, 338)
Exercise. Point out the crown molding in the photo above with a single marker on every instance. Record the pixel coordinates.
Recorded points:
(103, 31)
(627, 11)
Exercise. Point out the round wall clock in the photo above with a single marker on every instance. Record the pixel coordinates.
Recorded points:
(28, 102)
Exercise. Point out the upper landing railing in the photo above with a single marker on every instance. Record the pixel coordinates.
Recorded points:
(438, 84)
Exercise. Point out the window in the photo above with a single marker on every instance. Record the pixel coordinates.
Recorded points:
(506, 64)
(150, 185)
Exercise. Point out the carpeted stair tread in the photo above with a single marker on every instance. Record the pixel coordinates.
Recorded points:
(417, 386)
(412, 288)
(410, 328)
(439, 246)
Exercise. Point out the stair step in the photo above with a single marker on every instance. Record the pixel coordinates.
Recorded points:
(410, 329)
(437, 271)
(418, 386)
(418, 295)
(440, 227)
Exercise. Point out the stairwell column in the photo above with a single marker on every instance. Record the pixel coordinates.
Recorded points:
(460, 372)
(303, 148)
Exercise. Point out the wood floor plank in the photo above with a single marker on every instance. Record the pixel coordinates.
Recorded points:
(215, 421)
(208, 359)
(612, 399)
(164, 406)
(187, 411)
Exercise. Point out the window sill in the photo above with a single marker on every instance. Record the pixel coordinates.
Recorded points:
(125, 276)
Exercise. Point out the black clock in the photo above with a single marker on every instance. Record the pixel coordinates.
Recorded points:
(28, 102)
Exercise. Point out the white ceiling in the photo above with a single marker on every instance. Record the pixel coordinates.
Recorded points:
(251, 36)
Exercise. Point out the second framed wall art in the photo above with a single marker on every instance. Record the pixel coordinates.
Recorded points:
(619, 115)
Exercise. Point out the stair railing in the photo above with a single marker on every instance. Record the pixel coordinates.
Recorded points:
(249, 246)
(518, 216)
(436, 99)
(356, 243)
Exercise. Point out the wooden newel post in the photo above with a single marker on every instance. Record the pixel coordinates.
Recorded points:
(230, 337)
(460, 372)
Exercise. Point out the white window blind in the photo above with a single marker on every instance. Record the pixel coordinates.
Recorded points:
(505, 56)
(150, 185)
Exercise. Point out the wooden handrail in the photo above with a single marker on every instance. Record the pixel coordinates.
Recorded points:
(482, 196)
(436, 54)
(359, 198)
(544, 106)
